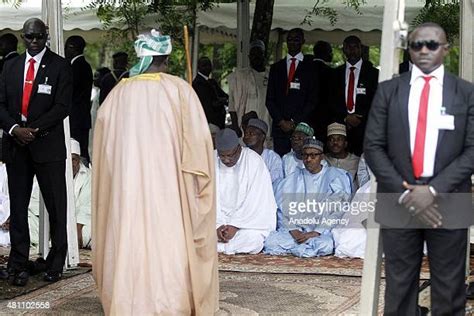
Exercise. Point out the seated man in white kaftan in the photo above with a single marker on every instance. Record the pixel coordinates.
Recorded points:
(254, 138)
(292, 160)
(4, 207)
(246, 208)
(307, 232)
(82, 199)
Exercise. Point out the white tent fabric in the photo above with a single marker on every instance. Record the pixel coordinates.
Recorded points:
(220, 23)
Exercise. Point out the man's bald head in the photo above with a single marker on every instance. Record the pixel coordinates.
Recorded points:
(34, 35)
(204, 66)
(34, 22)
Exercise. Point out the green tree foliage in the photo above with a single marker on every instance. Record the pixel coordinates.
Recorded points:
(443, 12)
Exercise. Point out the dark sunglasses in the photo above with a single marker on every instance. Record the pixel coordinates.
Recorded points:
(38, 36)
(431, 45)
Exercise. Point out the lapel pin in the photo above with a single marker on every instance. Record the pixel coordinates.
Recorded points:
(42, 66)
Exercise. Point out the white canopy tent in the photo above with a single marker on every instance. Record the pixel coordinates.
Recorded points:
(220, 24)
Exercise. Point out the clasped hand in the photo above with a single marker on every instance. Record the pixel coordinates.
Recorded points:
(226, 233)
(421, 204)
(301, 237)
(24, 135)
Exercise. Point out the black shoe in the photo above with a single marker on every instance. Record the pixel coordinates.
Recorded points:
(20, 278)
(52, 276)
(470, 291)
(37, 266)
(6, 273)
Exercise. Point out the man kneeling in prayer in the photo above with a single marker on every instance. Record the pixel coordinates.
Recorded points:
(246, 207)
(307, 232)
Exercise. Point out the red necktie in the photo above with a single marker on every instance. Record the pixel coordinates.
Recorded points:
(291, 73)
(419, 150)
(350, 90)
(30, 77)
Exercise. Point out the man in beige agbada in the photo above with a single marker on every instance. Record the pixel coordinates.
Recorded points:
(153, 220)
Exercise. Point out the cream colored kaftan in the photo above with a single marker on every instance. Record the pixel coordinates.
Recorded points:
(153, 218)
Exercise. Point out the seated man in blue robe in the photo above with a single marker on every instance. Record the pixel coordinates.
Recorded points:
(309, 204)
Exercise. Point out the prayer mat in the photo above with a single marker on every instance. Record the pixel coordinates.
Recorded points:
(328, 265)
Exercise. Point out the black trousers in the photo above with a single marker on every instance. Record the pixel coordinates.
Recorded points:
(82, 136)
(447, 259)
(52, 184)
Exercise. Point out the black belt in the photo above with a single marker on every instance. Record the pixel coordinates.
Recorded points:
(423, 180)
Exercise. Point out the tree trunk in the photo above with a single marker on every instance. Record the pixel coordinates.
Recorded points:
(262, 21)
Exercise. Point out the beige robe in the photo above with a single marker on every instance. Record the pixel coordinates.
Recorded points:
(153, 200)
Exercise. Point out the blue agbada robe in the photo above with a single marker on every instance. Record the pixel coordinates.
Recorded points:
(330, 184)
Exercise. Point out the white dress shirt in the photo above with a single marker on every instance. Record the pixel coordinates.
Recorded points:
(357, 66)
(435, 100)
(299, 57)
(203, 75)
(38, 57)
(75, 58)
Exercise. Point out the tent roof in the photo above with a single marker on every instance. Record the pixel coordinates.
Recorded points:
(220, 23)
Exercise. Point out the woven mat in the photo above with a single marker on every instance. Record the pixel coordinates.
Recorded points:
(328, 265)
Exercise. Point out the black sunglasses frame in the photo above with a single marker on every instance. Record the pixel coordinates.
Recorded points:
(431, 45)
(38, 36)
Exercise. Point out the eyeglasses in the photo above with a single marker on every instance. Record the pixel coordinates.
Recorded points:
(311, 155)
(431, 45)
(38, 36)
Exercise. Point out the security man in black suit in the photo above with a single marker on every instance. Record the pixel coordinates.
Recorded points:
(419, 143)
(291, 95)
(323, 76)
(212, 97)
(119, 71)
(8, 47)
(354, 87)
(35, 98)
(80, 116)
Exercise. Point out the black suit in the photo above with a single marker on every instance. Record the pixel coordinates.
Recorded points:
(9, 56)
(80, 117)
(109, 81)
(213, 99)
(284, 103)
(323, 78)
(44, 156)
(368, 80)
(388, 154)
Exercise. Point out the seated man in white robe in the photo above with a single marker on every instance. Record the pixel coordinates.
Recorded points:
(292, 160)
(337, 155)
(254, 138)
(82, 200)
(304, 229)
(246, 208)
(4, 207)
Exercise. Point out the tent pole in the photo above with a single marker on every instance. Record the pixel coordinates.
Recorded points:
(243, 33)
(52, 15)
(195, 49)
(394, 37)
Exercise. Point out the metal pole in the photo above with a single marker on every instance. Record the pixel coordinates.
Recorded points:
(466, 69)
(52, 15)
(466, 63)
(243, 33)
(195, 50)
(394, 37)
